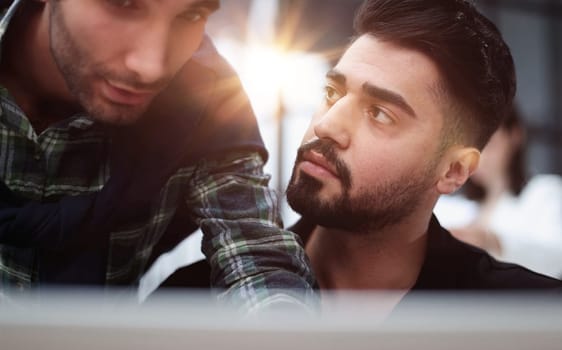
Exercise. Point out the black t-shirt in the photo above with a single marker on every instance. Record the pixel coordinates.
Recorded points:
(449, 265)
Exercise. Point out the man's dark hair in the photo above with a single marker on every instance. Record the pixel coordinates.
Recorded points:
(478, 70)
(517, 169)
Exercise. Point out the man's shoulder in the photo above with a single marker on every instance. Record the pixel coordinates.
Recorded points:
(204, 110)
(205, 76)
(452, 264)
(208, 57)
(483, 271)
(195, 83)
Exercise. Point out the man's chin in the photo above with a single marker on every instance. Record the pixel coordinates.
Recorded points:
(305, 196)
(117, 120)
(117, 115)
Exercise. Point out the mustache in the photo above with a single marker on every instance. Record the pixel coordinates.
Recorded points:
(327, 148)
(133, 81)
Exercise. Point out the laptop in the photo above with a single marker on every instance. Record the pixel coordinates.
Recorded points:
(183, 319)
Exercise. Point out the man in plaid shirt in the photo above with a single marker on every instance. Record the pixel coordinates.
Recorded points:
(120, 125)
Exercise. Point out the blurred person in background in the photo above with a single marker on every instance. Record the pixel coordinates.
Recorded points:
(407, 109)
(120, 125)
(501, 209)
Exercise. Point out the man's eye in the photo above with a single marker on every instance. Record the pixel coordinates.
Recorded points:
(192, 16)
(196, 15)
(331, 95)
(122, 3)
(379, 115)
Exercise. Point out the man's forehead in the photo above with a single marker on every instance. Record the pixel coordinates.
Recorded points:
(408, 74)
(372, 49)
(213, 4)
(203, 2)
(370, 58)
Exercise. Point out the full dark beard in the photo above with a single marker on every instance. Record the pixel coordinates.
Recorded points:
(374, 209)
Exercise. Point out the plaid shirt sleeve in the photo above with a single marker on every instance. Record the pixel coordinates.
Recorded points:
(254, 262)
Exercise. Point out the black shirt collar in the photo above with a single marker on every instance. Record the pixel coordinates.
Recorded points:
(436, 272)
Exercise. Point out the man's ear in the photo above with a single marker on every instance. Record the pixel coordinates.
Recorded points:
(459, 164)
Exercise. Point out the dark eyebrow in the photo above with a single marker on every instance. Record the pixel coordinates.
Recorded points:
(336, 76)
(375, 92)
(388, 96)
(212, 5)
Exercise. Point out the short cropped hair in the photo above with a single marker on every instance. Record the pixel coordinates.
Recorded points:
(516, 168)
(475, 62)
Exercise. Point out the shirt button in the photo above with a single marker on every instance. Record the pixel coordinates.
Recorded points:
(37, 156)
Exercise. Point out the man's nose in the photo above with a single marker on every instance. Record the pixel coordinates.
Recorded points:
(336, 123)
(148, 56)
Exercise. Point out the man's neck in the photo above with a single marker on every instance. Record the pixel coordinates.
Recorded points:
(388, 259)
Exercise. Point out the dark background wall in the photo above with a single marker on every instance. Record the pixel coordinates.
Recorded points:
(533, 30)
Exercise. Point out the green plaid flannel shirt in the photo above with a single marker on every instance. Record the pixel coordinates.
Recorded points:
(250, 255)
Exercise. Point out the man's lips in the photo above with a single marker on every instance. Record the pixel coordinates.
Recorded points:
(316, 164)
(126, 96)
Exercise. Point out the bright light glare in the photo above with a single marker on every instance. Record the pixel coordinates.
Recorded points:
(272, 76)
